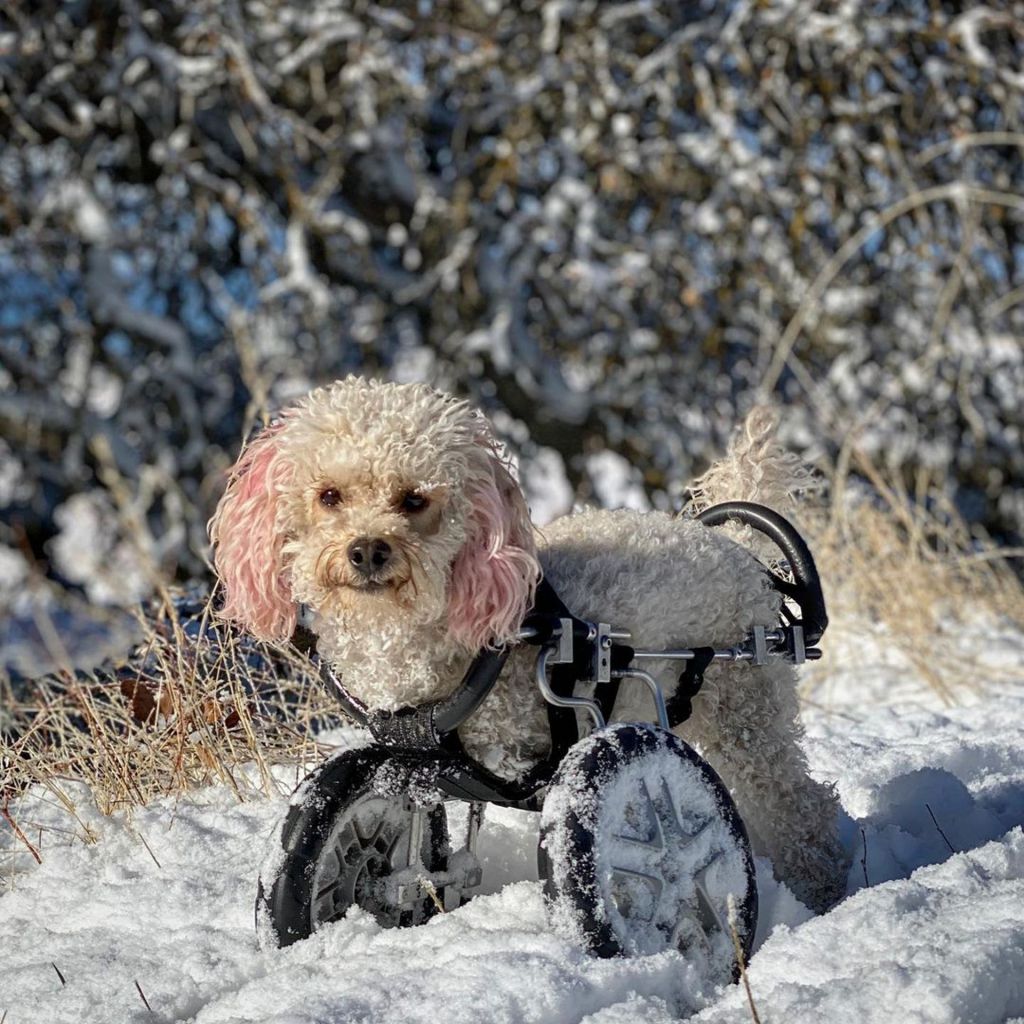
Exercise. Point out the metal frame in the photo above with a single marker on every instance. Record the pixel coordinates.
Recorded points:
(756, 648)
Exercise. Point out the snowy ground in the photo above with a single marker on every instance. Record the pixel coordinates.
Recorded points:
(933, 929)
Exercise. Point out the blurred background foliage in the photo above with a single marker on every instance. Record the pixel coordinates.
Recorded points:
(613, 226)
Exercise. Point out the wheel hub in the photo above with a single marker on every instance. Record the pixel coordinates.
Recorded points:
(659, 861)
(367, 842)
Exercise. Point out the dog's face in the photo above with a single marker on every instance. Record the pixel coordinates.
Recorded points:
(376, 504)
(374, 516)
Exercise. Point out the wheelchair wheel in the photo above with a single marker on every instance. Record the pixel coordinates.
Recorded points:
(342, 843)
(641, 849)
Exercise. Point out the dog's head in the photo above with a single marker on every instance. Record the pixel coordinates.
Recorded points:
(376, 503)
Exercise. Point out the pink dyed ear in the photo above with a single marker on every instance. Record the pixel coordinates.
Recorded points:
(496, 572)
(247, 543)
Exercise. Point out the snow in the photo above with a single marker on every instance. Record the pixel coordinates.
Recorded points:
(934, 798)
(547, 486)
(87, 550)
(945, 945)
(616, 483)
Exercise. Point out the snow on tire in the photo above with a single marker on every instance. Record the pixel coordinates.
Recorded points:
(337, 846)
(641, 848)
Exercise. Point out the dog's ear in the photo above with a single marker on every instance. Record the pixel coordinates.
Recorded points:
(495, 573)
(247, 541)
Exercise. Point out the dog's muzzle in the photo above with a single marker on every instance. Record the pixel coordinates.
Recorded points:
(370, 556)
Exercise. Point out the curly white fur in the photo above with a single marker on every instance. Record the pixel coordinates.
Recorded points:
(461, 573)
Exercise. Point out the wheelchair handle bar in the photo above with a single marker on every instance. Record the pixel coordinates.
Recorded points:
(806, 588)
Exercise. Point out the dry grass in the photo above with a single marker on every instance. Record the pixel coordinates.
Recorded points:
(904, 568)
(191, 707)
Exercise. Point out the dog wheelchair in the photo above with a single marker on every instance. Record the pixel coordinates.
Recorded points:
(641, 846)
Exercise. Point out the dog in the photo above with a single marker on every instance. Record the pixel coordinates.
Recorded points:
(389, 512)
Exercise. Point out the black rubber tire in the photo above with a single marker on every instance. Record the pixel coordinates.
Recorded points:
(601, 903)
(338, 803)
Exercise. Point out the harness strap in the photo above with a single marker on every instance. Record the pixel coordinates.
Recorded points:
(680, 705)
(304, 640)
(429, 726)
(551, 609)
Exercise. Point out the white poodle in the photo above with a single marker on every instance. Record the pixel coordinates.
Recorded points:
(388, 511)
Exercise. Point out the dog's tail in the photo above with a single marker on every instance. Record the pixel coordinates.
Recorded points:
(757, 468)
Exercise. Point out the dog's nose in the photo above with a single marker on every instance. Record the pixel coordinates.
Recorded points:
(369, 554)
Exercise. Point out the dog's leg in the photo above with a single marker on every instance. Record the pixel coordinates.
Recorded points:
(748, 728)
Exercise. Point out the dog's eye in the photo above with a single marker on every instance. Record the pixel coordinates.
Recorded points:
(330, 496)
(413, 502)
